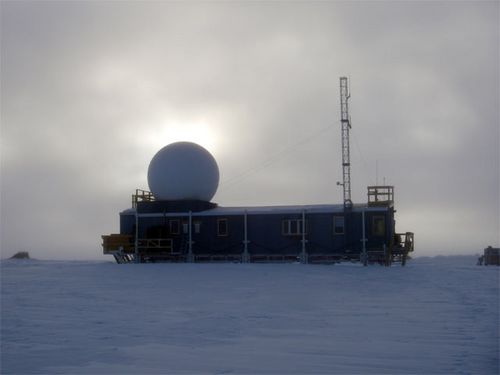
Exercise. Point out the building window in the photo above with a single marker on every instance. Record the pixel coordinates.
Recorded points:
(292, 227)
(185, 228)
(378, 226)
(174, 227)
(222, 227)
(338, 225)
(197, 227)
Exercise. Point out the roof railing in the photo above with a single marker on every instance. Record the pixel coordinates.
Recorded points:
(380, 195)
(141, 196)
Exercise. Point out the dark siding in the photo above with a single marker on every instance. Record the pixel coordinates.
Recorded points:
(320, 234)
(265, 233)
(208, 242)
(127, 224)
(174, 206)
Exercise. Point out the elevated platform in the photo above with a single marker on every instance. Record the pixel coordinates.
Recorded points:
(380, 196)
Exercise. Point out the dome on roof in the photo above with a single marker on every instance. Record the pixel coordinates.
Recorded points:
(182, 171)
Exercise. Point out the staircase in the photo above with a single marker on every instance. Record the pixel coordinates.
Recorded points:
(122, 258)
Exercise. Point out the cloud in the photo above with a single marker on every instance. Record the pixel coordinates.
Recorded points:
(91, 90)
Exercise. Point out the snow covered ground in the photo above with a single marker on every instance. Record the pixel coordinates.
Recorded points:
(437, 315)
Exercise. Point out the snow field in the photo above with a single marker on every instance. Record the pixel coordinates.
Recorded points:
(437, 315)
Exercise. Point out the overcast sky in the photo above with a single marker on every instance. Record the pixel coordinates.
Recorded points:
(91, 90)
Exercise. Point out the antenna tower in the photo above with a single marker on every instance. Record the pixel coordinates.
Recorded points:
(345, 121)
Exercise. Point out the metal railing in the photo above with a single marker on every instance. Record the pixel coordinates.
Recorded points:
(117, 242)
(405, 241)
(380, 195)
(141, 196)
(156, 244)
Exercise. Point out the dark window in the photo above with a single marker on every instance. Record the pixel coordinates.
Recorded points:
(174, 226)
(378, 226)
(222, 227)
(338, 225)
(292, 227)
(197, 226)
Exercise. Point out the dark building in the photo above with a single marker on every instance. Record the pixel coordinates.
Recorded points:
(200, 231)
(491, 256)
(176, 221)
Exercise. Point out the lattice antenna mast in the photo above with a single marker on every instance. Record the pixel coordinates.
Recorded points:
(345, 120)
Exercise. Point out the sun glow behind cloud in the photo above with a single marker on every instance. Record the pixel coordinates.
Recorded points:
(198, 131)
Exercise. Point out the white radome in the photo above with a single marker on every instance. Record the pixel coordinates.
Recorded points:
(181, 171)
